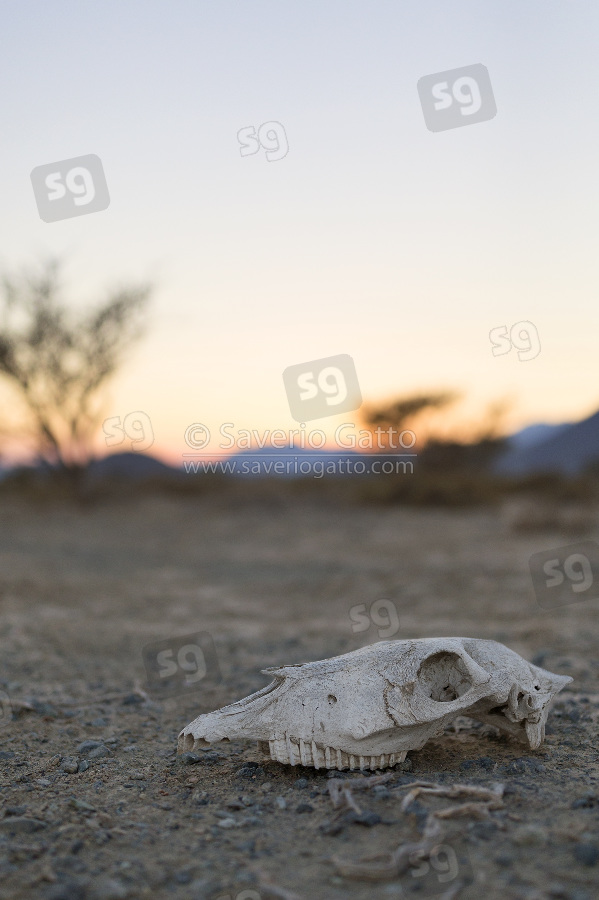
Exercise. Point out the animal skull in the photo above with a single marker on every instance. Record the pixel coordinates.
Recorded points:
(367, 708)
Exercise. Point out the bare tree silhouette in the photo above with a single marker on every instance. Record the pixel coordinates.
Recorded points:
(59, 362)
(401, 414)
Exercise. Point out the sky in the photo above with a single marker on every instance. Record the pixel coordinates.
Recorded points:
(372, 237)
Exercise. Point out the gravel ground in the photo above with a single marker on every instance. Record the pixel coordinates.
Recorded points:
(94, 801)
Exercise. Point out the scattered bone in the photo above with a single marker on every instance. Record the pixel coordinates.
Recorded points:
(268, 889)
(384, 866)
(368, 708)
(493, 796)
(341, 790)
(474, 810)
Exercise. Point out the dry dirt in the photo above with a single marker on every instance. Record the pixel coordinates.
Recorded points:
(84, 590)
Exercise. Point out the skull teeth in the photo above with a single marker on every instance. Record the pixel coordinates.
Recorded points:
(296, 752)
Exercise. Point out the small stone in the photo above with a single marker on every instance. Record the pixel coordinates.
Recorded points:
(132, 700)
(504, 860)
(189, 759)
(43, 782)
(587, 854)
(381, 792)
(301, 783)
(99, 723)
(250, 770)
(6, 754)
(84, 765)
(587, 801)
(227, 823)
(86, 746)
(331, 828)
(368, 819)
(250, 820)
(281, 802)
(304, 808)
(81, 805)
(267, 786)
(69, 765)
(21, 825)
(98, 752)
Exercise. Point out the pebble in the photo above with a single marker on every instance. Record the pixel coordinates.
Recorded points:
(525, 764)
(381, 792)
(587, 801)
(189, 758)
(301, 783)
(364, 818)
(21, 825)
(6, 754)
(69, 765)
(81, 805)
(304, 808)
(98, 752)
(84, 765)
(86, 746)
(587, 854)
(281, 802)
(250, 770)
(229, 822)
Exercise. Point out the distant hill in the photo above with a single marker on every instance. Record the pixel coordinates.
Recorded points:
(567, 449)
(535, 434)
(131, 466)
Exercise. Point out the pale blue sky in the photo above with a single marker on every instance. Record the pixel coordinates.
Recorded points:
(373, 236)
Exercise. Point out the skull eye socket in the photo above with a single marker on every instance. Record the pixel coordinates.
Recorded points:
(443, 677)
